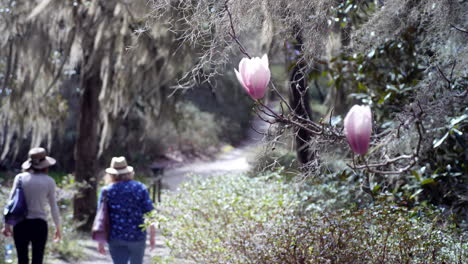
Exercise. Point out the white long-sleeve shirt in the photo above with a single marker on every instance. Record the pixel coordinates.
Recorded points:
(39, 189)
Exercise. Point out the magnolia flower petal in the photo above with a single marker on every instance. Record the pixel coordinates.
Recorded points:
(254, 75)
(239, 77)
(358, 128)
(254, 79)
(243, 68)
(262, 80)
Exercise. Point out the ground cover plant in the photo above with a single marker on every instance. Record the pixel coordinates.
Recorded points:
(239, 219)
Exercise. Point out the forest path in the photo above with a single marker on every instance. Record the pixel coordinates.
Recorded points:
(233, 160)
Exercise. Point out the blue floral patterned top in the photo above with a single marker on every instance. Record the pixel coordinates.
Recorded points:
(127, 201)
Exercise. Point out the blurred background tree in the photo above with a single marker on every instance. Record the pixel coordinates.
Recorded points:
(106, 78)
(91, 80)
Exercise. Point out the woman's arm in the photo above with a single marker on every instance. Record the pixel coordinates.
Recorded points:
(148, 207)
(13, 188)
(54, 210)
(6, 230)
(152, 236)
(101, 248)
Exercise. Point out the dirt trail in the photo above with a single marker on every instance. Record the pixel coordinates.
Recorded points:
(234, 160)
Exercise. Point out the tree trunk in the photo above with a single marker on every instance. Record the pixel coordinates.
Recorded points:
(299, 100)
(86, 149)
(92, 22)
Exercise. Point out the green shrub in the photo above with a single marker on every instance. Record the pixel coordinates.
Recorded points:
(68, 249)
(4, 194)
(205, 215)
(382, 234)
(237, 219)
(275, 159)
(189, 118)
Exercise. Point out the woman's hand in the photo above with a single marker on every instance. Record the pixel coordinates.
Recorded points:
(152, 243)
(6, 230)
(101, 248)
(57, 236)
(152, 237)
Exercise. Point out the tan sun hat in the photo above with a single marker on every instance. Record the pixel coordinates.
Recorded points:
(38, 159)
(119, 166)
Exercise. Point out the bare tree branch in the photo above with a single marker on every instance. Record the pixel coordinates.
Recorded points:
(459, 29)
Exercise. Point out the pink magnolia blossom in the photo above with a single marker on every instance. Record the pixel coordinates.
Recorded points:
(358, 128)
(254, 75)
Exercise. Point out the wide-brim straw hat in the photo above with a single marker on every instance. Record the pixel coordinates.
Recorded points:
(38, 159)
(119, 166)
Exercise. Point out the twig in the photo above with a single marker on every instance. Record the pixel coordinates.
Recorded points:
(281, 96)
(273, 113)
(444, 76)
(266, 120)
(386, 163)
(282, 108)
(242, 49)
(453, 67)
(302, 101)
(233, 31)
(258, 132)
(459, 29)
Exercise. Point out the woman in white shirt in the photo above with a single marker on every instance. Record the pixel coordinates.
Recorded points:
(39, 189)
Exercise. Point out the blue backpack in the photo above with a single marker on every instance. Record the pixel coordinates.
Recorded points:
(16, 209)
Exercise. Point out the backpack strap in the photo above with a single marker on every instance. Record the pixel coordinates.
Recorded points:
(19, 184)
(104, 195)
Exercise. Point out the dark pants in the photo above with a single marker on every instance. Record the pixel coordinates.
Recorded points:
(124, 251)
(32, 231)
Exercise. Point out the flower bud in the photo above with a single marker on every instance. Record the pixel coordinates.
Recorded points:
(254, 75)
(358, 128)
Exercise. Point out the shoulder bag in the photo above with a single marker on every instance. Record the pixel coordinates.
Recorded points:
(16, 209)
(101, 226)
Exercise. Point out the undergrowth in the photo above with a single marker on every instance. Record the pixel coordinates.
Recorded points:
(238, 219)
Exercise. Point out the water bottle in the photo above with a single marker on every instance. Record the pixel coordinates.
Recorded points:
(8, 253)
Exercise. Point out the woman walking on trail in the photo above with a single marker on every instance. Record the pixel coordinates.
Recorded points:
(127, 201)
(39, 189)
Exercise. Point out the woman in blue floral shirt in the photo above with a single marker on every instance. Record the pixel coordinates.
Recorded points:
(128, 201)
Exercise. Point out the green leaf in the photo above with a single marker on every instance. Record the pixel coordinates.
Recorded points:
(383, 99)
(440, 141)
(376, 188)
(414, 195)
(362, 87)
(416, 175)
(457, 120)
(428, 181)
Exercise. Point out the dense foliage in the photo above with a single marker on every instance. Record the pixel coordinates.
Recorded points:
(165, 81)
(50, 51)
(407, 62)
(237, 219)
